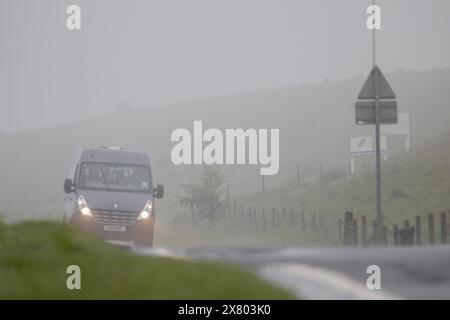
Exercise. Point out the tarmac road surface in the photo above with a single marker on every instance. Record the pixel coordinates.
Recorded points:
(338, 273)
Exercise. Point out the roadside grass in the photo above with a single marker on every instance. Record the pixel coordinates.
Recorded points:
(34, 257)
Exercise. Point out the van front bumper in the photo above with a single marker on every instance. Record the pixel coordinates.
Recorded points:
(114, 231)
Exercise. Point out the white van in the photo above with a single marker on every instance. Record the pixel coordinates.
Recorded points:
(109, 192)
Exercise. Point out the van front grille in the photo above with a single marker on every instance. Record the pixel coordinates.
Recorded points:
(115, 217)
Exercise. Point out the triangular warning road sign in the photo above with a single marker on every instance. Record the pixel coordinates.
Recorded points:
(384, 89)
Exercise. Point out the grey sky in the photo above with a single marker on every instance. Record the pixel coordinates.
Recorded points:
(155, 52)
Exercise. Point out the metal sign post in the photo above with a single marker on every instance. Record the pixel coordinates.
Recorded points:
(376, 112)
(379, 234)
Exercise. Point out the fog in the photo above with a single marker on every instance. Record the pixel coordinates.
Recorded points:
(151, 53)
(139, 70)
(224, 134)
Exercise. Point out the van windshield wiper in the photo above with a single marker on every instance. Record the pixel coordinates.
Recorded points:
(104, 178)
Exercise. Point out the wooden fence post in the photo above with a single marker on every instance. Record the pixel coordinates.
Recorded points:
(348, 229)
(355, 232)
(443, 228)
(431, 234)
(407, 234)
(385, 236)
(448, 220)
(404, 233)
(396, 235)
(418, 231)
(374, 231)
(364, 231)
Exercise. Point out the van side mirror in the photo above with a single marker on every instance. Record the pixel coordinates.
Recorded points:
(158, 192)
(68, 186)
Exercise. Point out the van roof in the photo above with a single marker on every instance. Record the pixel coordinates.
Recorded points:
(113, 155)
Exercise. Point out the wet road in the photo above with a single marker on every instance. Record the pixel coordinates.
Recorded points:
(339, 273)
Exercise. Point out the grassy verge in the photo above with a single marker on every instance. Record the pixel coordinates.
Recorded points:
(413, 184)
(34, 257)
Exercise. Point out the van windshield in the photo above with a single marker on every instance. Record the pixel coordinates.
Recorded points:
(115, 177)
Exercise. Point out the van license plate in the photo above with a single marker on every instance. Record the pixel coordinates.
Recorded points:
(114, 228)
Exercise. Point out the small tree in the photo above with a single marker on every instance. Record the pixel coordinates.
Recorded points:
(205, 199)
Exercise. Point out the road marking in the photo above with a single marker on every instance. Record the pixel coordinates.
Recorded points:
(159, 252)
(123, 244)
(313, 282)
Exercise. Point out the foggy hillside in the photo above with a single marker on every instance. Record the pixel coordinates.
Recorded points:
(315, 121)
(413, 184)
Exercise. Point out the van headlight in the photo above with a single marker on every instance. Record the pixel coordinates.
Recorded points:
(83, 207)
(147, 211)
